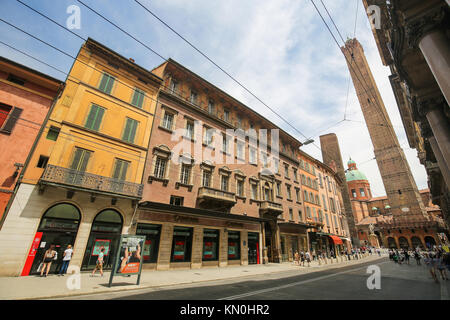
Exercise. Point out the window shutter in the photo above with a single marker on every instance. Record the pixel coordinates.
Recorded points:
(98, 119)
(76, 158)
(12, 119)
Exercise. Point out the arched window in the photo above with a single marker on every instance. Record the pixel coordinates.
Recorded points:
(415, 241)
(391, 243)
(60, 217)
(429, 242)
(403, 243)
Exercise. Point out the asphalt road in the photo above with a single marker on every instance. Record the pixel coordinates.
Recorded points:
(397, 282)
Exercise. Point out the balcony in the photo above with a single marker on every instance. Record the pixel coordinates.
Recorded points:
(89, 182)
(271, 208)
(214, 199)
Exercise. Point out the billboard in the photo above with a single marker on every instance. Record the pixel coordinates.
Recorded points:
(129, 257)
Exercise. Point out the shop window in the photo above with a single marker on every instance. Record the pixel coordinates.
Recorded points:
(210, 245)
(181, 244)
(152, 233)
(234, 245)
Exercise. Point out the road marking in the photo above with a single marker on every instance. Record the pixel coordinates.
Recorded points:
(293, 284)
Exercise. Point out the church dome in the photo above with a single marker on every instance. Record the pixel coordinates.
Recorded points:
(353, 174)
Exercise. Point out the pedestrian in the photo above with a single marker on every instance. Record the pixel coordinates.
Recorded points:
(296, 258)
(406, 254)
(446, 260)
(430, 263)
(417, 257)
(379, 252)
(66, 260)
(49, 255)
(302, 257)
(441, 265)
(308, 258)
(99, 263)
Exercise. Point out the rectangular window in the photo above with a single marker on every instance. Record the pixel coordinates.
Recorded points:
(209, 133)
(224, 183)
(291, 214)
(320, 180)
(308, 212)
(288, 189)
(252, 156)
(106, 83)
(234, 245)
(326, 217)
(225, 144)
(286, 171)
(4, 112)
(160, 168)
(152, 233)
(240, 188)
(193, 97)
(315, 214)
(297, 195)
(95, 117)
(238, 122)
(324, 203)
(53, 133)
(264, 160)
(332, 206)
(278, 189)
(42, 162)
(295, 174)
(305, 195)
(185, 175)
(181, 244)
(354, 193)
(210, 244)
(174, 86)
(226, 115)
(300, 217)
(211, 107)
(130, 130)
(167, 120)
(361, 191)
(80, 159)
(176, 201)
(190, 129)
(206, 179)
(14, 79)
(240, 150)
(120, 169)
(254, 191)
(138, 98)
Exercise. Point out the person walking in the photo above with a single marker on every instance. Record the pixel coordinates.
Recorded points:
(296, 258)
(429, 262)
(441, 265)
(99, 264)
(302, 258)
(66, 260)
(308, 258)
(406, 254)
(49, 255)
(417, 257)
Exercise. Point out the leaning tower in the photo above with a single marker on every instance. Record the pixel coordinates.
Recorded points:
(401, 189)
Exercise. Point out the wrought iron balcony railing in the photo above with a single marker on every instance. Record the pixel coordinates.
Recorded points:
(90, 182)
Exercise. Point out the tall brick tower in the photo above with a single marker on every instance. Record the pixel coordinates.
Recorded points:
(401, 190)
(331, 154)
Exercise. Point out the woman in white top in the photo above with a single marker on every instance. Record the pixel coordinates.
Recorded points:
(66, 260)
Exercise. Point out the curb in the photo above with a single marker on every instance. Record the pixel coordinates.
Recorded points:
(110, 290)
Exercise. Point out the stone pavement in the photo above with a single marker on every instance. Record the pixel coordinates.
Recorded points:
(53, 286)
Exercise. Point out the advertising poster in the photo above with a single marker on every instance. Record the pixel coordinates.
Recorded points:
(32, 254)
(147, 249)
(129, 257)
(231, 250)
(99, 245)
(178, 251)
(208, 250)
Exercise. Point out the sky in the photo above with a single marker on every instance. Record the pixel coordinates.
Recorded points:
(279, 50)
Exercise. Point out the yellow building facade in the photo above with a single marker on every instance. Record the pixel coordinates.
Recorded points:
(84, 179)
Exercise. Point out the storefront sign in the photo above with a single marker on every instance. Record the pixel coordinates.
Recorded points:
(129, 257)
(32, 254)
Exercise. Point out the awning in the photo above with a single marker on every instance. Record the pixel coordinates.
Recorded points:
(336, 240)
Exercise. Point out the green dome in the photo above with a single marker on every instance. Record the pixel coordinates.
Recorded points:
(353, 175)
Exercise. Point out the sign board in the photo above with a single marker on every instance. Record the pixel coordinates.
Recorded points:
(99, 245)
(32, 254)
(129, 257)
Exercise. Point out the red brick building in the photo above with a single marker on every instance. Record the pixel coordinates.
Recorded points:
(26, 97)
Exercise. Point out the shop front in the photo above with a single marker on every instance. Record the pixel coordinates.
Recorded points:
(253, 248)
(58, 227)
(105, 234)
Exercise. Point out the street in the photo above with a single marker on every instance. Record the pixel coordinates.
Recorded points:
(398, 282)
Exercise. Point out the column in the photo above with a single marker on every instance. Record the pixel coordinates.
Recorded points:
(165, 247)
(441, 132)
(244, 248)
(197, 248)
(223, 248)
(435, 48)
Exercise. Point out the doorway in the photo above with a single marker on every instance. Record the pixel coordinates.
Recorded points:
(59, 226)
(253, 248)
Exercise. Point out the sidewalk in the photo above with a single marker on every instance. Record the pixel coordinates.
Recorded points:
(33, 287)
